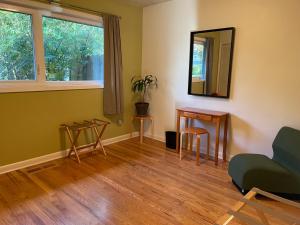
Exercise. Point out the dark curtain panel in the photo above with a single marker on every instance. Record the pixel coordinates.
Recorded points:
(113, 71)
(209, 49)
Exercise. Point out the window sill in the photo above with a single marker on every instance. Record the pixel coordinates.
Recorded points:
(197, 80)
(30, 86)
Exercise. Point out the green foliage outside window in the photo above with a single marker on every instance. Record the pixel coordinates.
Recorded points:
(198, 60)
(16, 46)
(73, 51)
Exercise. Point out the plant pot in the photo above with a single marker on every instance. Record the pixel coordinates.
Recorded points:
(141, 108)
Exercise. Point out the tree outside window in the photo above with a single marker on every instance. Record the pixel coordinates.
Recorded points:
(198, 61)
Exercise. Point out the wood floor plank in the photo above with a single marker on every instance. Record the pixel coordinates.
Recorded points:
(136, 184)
(168, 187)
(148, 192)
(190, 174)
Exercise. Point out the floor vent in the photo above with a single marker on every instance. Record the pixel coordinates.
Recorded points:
(38, 168)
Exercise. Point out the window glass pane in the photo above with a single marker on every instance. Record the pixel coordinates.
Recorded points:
(73, 51)
(198, 60)
(16, 46)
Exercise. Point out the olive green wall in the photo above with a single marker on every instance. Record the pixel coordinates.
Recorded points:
(29, 122)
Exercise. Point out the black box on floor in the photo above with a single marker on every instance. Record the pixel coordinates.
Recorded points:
(171, 139)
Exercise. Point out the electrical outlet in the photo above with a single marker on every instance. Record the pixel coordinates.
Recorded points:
(119, 122)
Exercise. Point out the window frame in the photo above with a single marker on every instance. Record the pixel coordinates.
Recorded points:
(37, 11)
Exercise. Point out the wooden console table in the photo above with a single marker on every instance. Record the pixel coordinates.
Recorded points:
(204, 115)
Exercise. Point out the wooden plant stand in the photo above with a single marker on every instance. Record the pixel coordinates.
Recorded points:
(142, 120)
(97, 127)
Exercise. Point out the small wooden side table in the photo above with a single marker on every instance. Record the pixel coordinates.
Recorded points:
(142, 120)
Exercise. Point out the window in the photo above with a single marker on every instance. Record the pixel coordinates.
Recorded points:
(73, 51)
(199, 61)
(44, 50)
(16, 46)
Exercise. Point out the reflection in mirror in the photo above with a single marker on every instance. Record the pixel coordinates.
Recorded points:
(210, 62)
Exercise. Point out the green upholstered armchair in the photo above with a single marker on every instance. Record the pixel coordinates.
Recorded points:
(280, 175)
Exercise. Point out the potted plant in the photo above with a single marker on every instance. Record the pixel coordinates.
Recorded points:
(141, 87)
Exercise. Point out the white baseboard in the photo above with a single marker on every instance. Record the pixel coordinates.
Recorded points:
(120, 138)
(32, 162)
(57, 155)
(158, 138)
(63, 153)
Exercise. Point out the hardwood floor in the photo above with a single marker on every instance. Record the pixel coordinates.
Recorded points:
(136, 184)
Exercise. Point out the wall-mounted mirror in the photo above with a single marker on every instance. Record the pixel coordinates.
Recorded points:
(210, 62)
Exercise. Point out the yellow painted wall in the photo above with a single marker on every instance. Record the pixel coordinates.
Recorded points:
(29, 122)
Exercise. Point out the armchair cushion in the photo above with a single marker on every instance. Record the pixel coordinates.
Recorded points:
(286, 148)
(255, 170)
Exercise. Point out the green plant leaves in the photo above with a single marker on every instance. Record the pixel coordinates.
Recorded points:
(140, 85)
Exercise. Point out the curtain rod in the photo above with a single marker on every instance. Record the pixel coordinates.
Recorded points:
(70, 6)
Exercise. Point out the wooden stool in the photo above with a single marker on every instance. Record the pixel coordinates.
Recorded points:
(197, 132)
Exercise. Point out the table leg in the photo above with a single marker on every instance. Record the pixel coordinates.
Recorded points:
(225, 138)
(198, 150)
(152, 127)
(186, 124)
(177, 132)
(191, 142)
(218, 124)
(142, 131)
(180, 147)
(191, 135)
(208, 146)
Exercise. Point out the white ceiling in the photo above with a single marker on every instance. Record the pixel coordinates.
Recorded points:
(144, 3)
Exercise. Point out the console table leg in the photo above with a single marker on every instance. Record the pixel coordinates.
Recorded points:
(225, 138)
(177, 132)
(218, 124)
(191, 135)
(186, 124)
